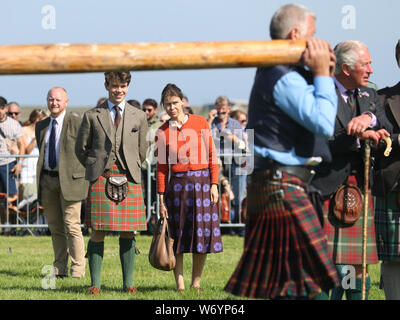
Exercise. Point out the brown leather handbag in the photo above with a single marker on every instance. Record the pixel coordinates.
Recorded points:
(346, 205)
(161, 253)
(117, 188)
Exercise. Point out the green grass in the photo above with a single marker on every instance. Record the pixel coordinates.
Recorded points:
(23, 259)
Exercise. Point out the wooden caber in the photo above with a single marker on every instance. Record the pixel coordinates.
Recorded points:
(82, 58)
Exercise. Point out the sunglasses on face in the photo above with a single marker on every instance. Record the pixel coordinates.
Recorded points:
(147, 110)
(13, 113)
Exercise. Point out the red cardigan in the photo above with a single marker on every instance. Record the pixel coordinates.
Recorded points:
(190, 147)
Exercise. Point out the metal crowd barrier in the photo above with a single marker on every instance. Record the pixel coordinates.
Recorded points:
(19, 215)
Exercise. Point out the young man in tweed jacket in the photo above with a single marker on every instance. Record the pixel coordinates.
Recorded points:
(112, 142)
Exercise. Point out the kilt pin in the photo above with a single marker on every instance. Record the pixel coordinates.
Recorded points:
(285, 252)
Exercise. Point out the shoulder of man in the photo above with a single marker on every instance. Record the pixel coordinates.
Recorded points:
(390, 91)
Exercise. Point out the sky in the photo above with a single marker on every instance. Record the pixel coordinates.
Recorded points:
(120, 21)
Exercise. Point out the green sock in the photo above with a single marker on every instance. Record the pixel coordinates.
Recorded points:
(95, 252)
(127, 250)
(338, 291)
(321, 296)
(355, 294)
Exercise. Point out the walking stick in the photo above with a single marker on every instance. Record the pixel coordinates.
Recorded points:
(365, 217)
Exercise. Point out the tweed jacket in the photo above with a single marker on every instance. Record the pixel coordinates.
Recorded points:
(71, 173)
(344, 148)
(96, 140)
(387, 169)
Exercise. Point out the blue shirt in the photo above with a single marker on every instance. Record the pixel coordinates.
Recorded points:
(312, 106)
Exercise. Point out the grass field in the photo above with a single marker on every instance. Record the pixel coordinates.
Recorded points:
(24, 262)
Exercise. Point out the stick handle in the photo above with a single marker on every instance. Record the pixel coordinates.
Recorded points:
(365, 218)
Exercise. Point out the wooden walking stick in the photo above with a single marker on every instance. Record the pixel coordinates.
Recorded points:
(386, 153)
(367, 149)
(94, 57)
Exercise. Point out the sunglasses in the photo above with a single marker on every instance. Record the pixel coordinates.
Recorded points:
(243, 121)
(147, 110)
(13, 113)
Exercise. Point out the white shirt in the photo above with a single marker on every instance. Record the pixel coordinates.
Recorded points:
(113, 112)
(60, 120)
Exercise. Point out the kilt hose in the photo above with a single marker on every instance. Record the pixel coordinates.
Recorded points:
(285, 252)
(105, 214)
(387, 226)
(345, 243)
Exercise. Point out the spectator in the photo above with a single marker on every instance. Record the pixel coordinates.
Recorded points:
(28, 171)
(164, 117)
(112, 143)
(135, 103)
(228, 138)
(14, 111)
(61, 183)
(190, 196)
(386, 189)
(354, 116)
(11, 142)
(286, 252)
(150, 107)
(101, 101)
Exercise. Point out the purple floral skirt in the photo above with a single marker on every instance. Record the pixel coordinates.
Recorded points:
(193, 220)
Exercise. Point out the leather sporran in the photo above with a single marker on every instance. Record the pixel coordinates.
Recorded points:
(117, 188)
(346, 205)
(161, 253)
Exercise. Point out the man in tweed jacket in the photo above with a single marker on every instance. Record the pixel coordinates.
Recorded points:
(112, 142)
(61, 185)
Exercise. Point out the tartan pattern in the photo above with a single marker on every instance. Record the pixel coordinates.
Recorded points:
(193, 220)
(387, 226)
(285, 250)
(345, 244)
(105, 214)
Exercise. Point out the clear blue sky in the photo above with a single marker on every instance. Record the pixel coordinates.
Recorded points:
(87, 21)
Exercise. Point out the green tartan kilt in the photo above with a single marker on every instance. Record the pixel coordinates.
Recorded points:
(387, 224)
(105, 214)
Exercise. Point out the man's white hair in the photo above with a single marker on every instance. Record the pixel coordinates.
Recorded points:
(287, 17)
(347, 52)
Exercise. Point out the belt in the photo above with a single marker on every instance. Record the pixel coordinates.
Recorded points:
(50, 173)
(304, 173)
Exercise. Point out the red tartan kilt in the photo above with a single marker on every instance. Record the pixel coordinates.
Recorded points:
(105, 214)
(345, 243)
(285, 250)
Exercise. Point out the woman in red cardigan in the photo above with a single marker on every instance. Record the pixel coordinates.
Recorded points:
(186, 148)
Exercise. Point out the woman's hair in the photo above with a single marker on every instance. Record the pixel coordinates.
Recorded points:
(35, 114)
(236, 113)
(171, 90)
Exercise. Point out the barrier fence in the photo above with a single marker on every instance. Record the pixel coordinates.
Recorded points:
(23, 214)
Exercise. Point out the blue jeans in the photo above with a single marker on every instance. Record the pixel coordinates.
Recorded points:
(11, 188)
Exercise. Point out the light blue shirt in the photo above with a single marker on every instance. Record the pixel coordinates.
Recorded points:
(312, 106)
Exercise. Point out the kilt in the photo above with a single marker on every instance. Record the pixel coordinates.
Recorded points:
(105, 214)
(193, 220)
(345, 244)
(285, 252)
(387, 226)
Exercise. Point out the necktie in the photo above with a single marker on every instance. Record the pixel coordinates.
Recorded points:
(117, 118)
(351, 101)
(52, 145)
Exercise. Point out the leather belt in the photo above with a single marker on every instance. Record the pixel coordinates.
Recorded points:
(50, 173)
(304, 173)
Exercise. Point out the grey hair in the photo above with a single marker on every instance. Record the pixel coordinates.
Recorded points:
(61, 88)
(347, 52)
(288, 17)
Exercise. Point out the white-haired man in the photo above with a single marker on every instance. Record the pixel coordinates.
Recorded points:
(360, 116)
(290, 110)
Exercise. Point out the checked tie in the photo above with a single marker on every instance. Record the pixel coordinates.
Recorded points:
(351, 101)
(52, 145)
(117, 118)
